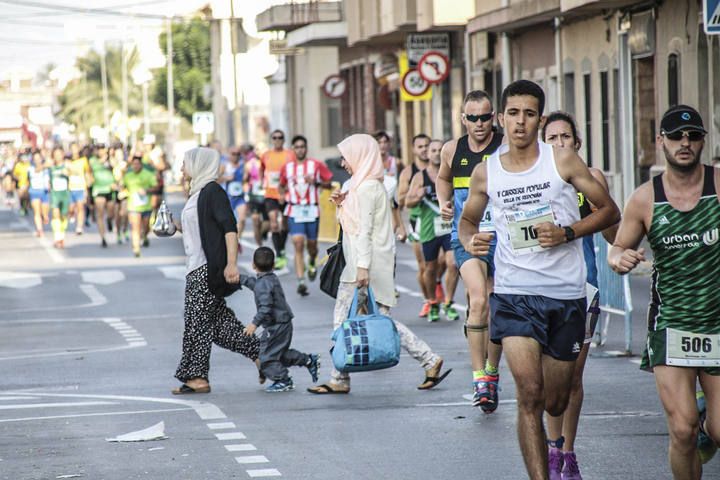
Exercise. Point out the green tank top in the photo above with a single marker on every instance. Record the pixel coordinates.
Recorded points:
(429, 210)
(686, 267)
(102, 177)
(59, 180)
(414, 212)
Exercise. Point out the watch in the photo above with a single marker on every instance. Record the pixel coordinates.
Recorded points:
(569, 234)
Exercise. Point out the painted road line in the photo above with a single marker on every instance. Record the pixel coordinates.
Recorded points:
(265, 472)
(240, 447)
(221, 425)
(97, 414)
(174, 272)
(19, 280)
(96, 298)
(231, 436)
(252, 459)
(23, 406)
(103, 277)
(16, 398)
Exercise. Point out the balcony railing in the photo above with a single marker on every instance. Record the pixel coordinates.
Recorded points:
(294, 15)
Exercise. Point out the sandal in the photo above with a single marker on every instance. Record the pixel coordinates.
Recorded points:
(326, 389)
(433, 377)
(185, 389)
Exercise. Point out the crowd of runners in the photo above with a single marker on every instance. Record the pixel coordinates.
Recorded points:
(511, 209)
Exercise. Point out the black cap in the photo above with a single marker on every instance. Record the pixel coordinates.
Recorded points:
(681, 117)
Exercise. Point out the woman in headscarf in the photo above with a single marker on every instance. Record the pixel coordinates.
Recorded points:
(369, 248)
(210, 241)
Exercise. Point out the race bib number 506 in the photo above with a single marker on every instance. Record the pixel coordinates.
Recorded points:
(685, 349)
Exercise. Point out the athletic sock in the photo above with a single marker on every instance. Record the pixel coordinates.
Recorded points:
(556, 443)
(283, 239)
(490, 370)
(478, 375)
(276, 243)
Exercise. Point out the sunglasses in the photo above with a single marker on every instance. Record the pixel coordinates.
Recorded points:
(474, 118)
(278, 138)
(693, 135)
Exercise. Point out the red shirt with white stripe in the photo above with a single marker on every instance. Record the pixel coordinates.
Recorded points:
(301, 181)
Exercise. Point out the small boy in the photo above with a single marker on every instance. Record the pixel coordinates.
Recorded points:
(274, 314)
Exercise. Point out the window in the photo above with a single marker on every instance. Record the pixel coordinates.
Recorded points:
(569, 93)
(673, 82)
(588, 118)
(605, 119)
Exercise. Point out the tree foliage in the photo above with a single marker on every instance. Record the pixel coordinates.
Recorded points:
(191, 68)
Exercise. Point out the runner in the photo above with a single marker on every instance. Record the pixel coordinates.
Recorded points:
(80, 178)
(20, 172)
(679, 213)
(120, 166)
(39, 193)
(232, 180)
(273, 162)
(560, 130)
(59, 196)
(140, 183)
(538, 306)
(420, 143)
(256, 194)
(434, 235)
(301, 180)
(459, 159)
(102, 191)
(389, 161)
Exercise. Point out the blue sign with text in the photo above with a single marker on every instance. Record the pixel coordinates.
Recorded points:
(711, 15)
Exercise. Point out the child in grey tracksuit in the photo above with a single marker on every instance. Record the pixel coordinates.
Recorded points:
(275, 316)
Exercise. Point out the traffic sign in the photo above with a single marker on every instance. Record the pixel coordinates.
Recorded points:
(434, 67)
(203, 123)
(420, 43)
(711, 16)
(334, 86)
(414, 84)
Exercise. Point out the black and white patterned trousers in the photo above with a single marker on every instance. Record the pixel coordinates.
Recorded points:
(209, 320)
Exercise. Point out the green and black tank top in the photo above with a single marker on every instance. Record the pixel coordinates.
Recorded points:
(686, 267)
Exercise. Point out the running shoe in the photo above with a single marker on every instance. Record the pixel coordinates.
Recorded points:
(434, 313)
(555, 463)
(109, 225)
(313, 366)
(439, 293)
(281, 386)
(705, 445)
(302, 290)
(136, 253)
(450, 313)
(146, 242)
(425, 310)
(570, 469)
(280, 262)
(104, 243)
(312, 272)
(119, 239)
(486, 393)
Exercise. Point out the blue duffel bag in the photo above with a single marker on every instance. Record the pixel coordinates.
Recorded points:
(365, 342)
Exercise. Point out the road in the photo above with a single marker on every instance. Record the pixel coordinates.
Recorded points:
(90, 339)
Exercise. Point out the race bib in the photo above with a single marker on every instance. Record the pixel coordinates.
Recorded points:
(685, 349)
(304, 213)
(59, 184)
(77, 183)
(486, 224)
(138, 199)
(273, 179)
(442, 227)
(523, 237)
(37, 182)
(257, 189)
(235, 189)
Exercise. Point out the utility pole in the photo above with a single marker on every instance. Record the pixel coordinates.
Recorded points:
(170, 138)
(124, 91)
(237, 131)
(103, 75)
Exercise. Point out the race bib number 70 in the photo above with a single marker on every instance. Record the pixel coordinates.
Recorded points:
(523, 237)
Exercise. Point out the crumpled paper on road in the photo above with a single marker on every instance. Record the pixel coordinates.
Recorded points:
(156, 432)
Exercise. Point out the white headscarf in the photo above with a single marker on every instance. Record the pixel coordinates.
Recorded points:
(203, 166)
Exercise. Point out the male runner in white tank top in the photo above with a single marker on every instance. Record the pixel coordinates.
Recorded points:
(538, 306)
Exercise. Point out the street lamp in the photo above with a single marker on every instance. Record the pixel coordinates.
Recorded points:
(142, 77)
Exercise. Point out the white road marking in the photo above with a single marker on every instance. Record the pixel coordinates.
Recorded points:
(52, 252)
(266, 472)
(23, 406)
(175, 272)
(240, 447)
(221, 425)
(16, 398)
(103, 277)
(19, 279)
(252, 459)
(636, 361)
(97, 414)
(96, 298)
(231, 436)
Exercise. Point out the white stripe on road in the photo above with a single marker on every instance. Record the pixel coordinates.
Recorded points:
(220, 426)
(175, 272)
(103, 277)
(16, 398)
(231, 436)
(98, 414)
(252, 459)
(266, 472)
(96, 298)
(23, 406)
(19, 280)
(240, 447)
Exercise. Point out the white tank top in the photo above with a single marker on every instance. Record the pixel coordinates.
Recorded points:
(522, 199)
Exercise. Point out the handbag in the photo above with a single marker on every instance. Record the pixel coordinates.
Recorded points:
(365, 342)
(333, 268)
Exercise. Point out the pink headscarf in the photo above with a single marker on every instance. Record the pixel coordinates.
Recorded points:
(362, 152)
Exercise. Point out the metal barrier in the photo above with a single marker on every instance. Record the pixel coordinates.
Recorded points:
(615, 298)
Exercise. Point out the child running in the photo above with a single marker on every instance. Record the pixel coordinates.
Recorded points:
(275, 316)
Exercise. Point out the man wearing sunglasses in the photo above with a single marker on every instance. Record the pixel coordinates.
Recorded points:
(458, 159)
(273, 162)
(679, 212)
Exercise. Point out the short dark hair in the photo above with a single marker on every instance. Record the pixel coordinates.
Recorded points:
(298, 137)
(264, 259)
(277, 130)
(420, 136)
(559, 115)
(477, 96)
(524, 87)
(381, 134)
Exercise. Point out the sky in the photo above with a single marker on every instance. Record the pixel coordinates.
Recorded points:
(34, 33)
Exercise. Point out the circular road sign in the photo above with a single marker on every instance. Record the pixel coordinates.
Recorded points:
(434, 67)
(414, 84)
(334, 86)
